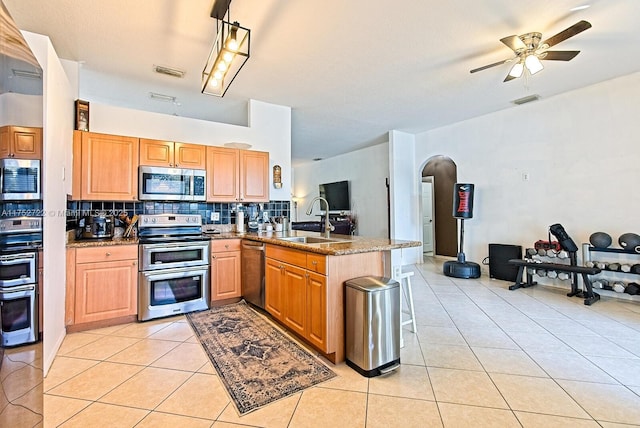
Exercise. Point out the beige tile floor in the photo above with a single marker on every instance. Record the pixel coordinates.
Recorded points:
(483, 356)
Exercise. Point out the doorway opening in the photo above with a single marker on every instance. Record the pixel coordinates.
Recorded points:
(438, 176)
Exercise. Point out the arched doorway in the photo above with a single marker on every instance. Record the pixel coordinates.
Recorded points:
(444, 175)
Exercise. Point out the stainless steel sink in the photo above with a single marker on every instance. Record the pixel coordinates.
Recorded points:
(311, 240)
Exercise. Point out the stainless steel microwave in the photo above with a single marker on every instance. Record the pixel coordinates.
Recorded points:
(171, 184)
(19, 179)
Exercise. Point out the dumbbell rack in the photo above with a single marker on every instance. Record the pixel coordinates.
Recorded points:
(524, 267)
(587, 251)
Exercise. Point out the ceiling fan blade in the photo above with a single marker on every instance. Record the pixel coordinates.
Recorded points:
(509, 77)
(514, 43)
(559, 55)
(565, 34)
(491, 65)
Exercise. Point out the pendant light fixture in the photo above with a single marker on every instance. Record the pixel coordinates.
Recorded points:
(229, 53)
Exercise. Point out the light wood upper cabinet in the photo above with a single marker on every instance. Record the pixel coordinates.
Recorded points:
(20, 142)
(171, 154)
(254, 176)
(235, 175)
(223, 174)
(105, 167)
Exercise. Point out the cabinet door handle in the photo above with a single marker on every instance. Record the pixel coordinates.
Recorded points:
(314, 262)
(135, 263)
(107, 254)
(213, 256)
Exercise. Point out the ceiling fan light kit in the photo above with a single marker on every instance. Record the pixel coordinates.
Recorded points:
(229, 53)
(529, 51)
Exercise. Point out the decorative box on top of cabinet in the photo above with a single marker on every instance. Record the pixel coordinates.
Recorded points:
(20, 142)
(105, 167)
(172, 154)
(235, 175)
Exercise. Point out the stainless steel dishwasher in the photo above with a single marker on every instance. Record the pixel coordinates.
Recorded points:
(253, 272)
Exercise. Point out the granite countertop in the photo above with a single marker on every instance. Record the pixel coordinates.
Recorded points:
(345, 244)
(82, 243)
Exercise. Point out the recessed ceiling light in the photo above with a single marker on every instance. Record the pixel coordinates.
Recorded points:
(173, 72)
(162, 97)
(577, 8)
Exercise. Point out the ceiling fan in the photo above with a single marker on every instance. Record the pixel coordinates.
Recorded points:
(529, 50)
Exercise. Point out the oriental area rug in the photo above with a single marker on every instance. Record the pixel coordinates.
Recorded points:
(257, 363)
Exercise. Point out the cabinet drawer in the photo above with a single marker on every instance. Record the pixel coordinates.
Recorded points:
(317, 263)
(218, 245)
(287, 255)
(106, 253)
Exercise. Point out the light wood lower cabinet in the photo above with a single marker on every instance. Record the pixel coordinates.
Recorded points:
(293, 293)
(226, 277)
(102, 283)
(305, 292)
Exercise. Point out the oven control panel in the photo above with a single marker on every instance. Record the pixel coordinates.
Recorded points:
(20, 225)
(169, 220)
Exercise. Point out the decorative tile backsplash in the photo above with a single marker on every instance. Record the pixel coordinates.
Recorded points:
(227, 211)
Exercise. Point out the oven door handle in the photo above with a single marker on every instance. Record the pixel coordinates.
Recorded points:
(12, 257)
(10, 290)
(184, 245)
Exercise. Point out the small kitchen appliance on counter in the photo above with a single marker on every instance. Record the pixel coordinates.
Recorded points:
(97, 226)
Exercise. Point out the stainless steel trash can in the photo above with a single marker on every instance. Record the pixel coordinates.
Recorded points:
(372, 325)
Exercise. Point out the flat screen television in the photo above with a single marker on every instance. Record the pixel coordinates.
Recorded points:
(337, 195)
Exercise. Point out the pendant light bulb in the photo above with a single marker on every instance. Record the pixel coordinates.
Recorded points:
(232, 42)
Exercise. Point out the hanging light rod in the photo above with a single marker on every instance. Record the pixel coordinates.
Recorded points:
(229, 53)
(220, 9)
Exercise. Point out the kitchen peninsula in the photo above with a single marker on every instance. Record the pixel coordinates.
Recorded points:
(304, 278)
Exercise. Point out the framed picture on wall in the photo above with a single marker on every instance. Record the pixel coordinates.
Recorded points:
(82, 115)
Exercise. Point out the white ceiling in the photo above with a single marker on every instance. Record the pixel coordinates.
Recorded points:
(350, 70)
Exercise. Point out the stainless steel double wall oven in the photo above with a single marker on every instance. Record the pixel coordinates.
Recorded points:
(173, 264)
(20, 240)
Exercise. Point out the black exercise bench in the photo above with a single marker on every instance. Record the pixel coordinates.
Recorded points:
(589, 295)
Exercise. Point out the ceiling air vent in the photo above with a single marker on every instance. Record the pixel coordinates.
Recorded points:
(174, 72)
(526, 99)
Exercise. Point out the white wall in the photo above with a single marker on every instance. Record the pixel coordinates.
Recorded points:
(269, 130)
(20, 110)
(579, 149)
(366, 169)
(57, 136)
(406, 221)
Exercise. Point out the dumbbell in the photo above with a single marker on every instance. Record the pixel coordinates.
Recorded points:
(601, 265)
(625, 268)
(542, 252)
(613, 266)
(589, 264)
(600, 283)
(563, 254)
(541, 272)
(531, 251)
(551, 254)
(531, 271)
(564, 276)
(619, 286)
(552, 274)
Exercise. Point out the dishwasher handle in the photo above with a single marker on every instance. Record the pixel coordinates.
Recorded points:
(253, 245)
